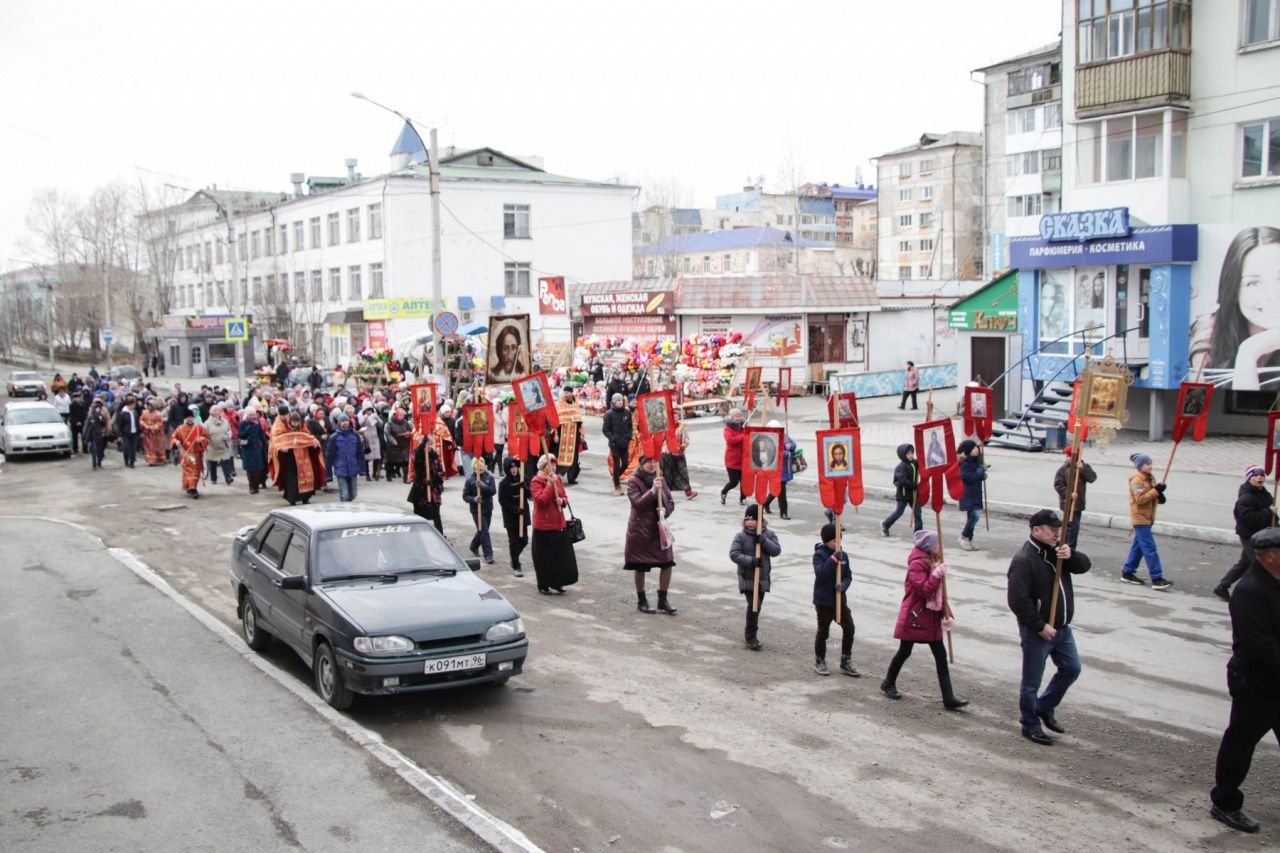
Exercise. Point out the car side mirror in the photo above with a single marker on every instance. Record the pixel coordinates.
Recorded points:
(473, 564)
(243, 533)
(298, 582)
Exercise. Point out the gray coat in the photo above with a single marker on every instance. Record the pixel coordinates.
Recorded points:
(743, 554)
(222, 443)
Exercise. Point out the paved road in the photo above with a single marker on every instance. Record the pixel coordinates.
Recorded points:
(633, 732)
(128, 725)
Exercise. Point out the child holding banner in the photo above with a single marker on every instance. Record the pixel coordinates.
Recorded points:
(752, 548)
(825, 561)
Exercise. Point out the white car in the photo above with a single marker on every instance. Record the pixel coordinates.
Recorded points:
(24, 383)
(33, 428)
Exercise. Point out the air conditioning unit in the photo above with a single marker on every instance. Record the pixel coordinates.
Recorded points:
(466, 316)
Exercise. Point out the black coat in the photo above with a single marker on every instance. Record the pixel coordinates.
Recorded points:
(1252, 510)
(1087, 476)
(1031, 584)
(906, 477)
(972, 473)
(617, 427)
(124, 426)
(177, 411)
(824, 575)
(79, 409)
(617, 385)
(1254, 668)
(509, 489)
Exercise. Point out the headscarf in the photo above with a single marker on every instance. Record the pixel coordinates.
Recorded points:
(195, 411)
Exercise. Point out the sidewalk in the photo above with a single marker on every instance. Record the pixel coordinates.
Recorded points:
(1202, 484)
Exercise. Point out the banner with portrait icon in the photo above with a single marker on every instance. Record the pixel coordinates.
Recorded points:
(977, 411)
(1193, 410)
(477, 428)
(784, 387)
(655, 419)
(509, 353)
(762, 462)
(840, 468)
(423, 397)
(533, 398)
(751, 387)
(936, 455)
(521, 442)
(842, 410)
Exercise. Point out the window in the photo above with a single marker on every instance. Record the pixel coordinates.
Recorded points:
(1259, 150)
(904, 245)
(926, 192)
(906, 220)
(208, 254)
(1052, 116)
(257, 290)
(375, 221)
(727, 264)
(515, 221)
(1026, 163)
(273, 546)
(1024, 205)
(926, 245)
(297, 235)
(299, 287)
(271, 287)
(335, 229)
(1051, 161)
(284, 239)
(269, 242)
(191, 257)
(924, 270)
(295, 559)
(375, 281)
(1036, 77)
(315, 232)
(255, 244)
(779, 218)
(904, 194)
(335, 284)
(926, 219)
(317, 286)
(1089, 152)
(1021, 121)
(1120, 149)
(926, 166)
(904, 273)
(242, 246)
(1261, 21)
(354, 291)
(685, 266)
(1178, 146)
(353, 225)
(516, 278)
(1149, 146)
(1109, 29)
(180, 255)
(706, 263)
(244, 291)
(904, 170)
(217, 250)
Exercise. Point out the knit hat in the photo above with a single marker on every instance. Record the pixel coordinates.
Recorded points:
(925, 540)
(966, 447)
(1139, 459)
(342, 417)
(1253, 471)
(828, 532)
(753, 512)
(1067, 450)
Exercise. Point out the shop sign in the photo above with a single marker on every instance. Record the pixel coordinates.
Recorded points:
(635, 303)
(1162, 244)
(395, 309)
(631, 326)
(378, 334)
(551, 298)
(984, 321)
(1082, 225)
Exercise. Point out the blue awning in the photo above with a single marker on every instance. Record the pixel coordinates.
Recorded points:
(466, 303)
(497, 302)
(473, 329)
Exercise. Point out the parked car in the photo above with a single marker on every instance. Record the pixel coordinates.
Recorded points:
(374, 601)
(123, 371)
(24, 383)
(33, 427)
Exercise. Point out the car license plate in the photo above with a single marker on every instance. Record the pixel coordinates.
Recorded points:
(459, 664)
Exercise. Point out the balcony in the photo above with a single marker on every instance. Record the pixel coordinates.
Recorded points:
(1133, 82)
(1051, 181)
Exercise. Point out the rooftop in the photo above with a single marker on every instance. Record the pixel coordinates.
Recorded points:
(733, 238)
(750, 294)
(934, 141)
(1047, 51)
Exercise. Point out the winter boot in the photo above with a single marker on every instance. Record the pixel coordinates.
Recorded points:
(888, 688)
(949, 699)
(847, 667)
(820, 667)
(664, 605)
(642, 603)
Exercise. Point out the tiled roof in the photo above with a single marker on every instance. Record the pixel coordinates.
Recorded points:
(752, 294)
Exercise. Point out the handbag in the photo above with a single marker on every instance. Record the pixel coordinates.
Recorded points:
(573, 526)
(798, 462)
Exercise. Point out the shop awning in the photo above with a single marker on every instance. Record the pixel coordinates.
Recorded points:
(994, 308)
(350, 315)
(466, 303)
(472, 329)
(497, 302)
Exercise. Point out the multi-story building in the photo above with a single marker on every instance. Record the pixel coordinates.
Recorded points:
(817, 212)
(855, 209)
(1171, 183)
(929, 209)
(762, 250)
(348, 264)
(1022, 137)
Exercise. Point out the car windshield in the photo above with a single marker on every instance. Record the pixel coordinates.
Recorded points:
(383, 549)
(34, 416)
(26, 377)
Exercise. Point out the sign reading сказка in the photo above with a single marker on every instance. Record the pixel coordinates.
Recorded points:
(395, 309)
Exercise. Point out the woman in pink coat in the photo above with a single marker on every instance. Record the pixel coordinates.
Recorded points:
(922, 616)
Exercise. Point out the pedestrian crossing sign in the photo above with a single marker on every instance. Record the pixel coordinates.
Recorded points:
(236, 329)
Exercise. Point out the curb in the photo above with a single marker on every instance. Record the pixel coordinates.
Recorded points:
(1215, 535)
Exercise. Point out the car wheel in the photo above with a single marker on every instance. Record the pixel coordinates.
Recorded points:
(329, 683)
(256, 637)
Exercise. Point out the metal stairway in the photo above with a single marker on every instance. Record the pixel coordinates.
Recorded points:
(1030, 430)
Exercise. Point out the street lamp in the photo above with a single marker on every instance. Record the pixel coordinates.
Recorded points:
(433, 175)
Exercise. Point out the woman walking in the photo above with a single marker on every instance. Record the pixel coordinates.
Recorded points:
(648, 544)
(370, 426)
(428, 482)
(253, 448)
(733, 452)
(220, 454)
(554, 562)
(398, 432)
(922, 618)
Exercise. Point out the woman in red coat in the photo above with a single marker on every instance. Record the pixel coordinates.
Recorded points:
(554, 562)
(733, 452)
(922, 616)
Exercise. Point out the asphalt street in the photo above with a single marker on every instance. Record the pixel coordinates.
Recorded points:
(636, 732)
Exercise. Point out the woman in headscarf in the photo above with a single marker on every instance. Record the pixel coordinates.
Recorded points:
(648, 545)
(513, 497)
(221, 451)
(190, 440)
(675, 468)
(554, 562)
(399, 432)
(153, 438)
(253, 447)
(295, 461)
(427, 476)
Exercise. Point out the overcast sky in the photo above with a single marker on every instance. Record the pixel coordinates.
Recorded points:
(698, 94)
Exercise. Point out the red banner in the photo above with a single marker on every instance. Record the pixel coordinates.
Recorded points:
(424, 407)
(1273, 438)
(977, 412)
(477, 428)
(936, 456)
(750, 387)
(784, 386)
(377, 334)
(762, 462)
(1071, 416)
(551, 298)
(533, 396)
(840, 467)
(1193, 410)
(520, 441)
(842, 410)
(656, 422)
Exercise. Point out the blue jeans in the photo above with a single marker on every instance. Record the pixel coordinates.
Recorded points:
(971, 523)
(1035, 650)
(129, 448)
(1073, 531)
(96, 448)
(1144, 546)
(481, 542)
(228, 467)
(346, 488)
(897, 513)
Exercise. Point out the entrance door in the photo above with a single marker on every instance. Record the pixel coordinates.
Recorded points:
(1133, 310)
(986, 355)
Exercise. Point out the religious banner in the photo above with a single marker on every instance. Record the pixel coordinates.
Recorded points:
(842, 410)
(977, 412)
(751, 386)
(656, 421)
(1273, 443)
(477, 428)
(533, 397)
(762, 462)
(840, 468)
(1071, 415)
(784, 387)
(424, 407)
(520, 440)
(936, 456)
(1193, 410)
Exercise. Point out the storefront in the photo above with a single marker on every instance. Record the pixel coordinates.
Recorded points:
(195, 347)
(633, 314)
(988, 343)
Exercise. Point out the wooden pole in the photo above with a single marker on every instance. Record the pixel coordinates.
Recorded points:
(1174, 451)
(520, 486)
(1073, 481)
(982, 460)
(755, 586)
(946, 602)
(839, 534)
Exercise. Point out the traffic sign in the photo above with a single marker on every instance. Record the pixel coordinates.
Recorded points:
(236, 329)
(446, 322)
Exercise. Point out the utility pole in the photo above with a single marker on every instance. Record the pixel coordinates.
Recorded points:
(48, 322)
(106, 297)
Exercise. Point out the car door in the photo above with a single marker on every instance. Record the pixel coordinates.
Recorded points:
(291, 604)
(270, 553)
(254, 574)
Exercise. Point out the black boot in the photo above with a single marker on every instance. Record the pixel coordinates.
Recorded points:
(949, 699)
(642, 603)
(664, 605)
(890, 689)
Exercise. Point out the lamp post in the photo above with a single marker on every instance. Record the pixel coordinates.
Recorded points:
(433, 176)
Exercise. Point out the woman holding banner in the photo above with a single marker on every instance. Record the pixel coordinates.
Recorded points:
(554, 562)
(648, 545)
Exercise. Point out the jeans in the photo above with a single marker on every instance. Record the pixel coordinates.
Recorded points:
(129, 448)
(1251, 718)
(1073, 530)
(481, 542)
(228, 467)
(971, 523)
(903, 404)
(897, 513)
(1144, 546)
(96, 448)
(1035, 650)
(346, 488)
(753, 616)
(827, 615)
(1241, 566)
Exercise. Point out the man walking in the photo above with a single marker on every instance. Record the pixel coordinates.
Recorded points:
(129, 428)
(617, 432)
(1031, 581)
(1253, 677)
(1254, 511)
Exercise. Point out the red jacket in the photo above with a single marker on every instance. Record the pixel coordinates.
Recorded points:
(547, 514)
(916, 622)
(733, 448)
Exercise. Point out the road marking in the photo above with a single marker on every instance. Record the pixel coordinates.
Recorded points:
(440, 791)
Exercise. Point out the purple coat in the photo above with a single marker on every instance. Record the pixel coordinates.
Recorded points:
(644, 546)
(916, 622)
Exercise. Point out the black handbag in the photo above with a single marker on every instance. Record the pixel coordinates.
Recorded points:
(574, 527)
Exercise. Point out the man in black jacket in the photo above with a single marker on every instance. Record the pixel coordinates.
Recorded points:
(1253, 677)
(129, 429)
(617, 431)
(1084, 477)
(1254, 511)
(1031, 582)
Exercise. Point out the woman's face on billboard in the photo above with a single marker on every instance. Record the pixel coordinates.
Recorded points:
(1260, 287)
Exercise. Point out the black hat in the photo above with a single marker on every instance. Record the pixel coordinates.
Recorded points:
(753, 511)
(828, 532)
(1267, 537)
(1045, 516)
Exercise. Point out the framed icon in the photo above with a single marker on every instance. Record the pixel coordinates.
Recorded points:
(837, 456)
(509, 350)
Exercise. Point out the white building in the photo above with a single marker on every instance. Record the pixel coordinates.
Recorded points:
(349, 263)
